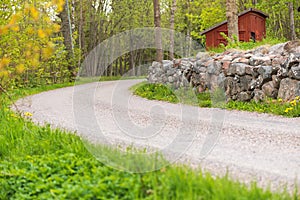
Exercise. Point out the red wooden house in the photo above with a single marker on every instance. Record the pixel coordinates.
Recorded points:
(252, 25)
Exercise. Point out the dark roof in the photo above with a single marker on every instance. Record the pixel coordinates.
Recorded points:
(239, 15)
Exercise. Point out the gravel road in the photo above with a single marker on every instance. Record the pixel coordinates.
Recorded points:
(247, 146)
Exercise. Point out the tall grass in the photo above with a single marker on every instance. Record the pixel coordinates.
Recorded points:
(43, 163)
(269, 41)
(217, 99)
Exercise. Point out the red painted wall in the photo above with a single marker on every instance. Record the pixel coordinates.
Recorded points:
(249, 22)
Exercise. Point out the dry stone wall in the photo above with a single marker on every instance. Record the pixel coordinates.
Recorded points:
(255, 74)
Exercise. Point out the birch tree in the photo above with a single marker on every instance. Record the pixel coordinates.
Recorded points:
(158, 36)
(232, 19)
(172, 25)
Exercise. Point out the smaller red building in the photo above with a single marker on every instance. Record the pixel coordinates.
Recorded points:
(252, 25)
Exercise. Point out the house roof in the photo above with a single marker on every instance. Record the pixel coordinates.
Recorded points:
(239, 15)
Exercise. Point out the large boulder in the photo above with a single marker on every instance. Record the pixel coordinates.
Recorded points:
(237, 68)
(170, 71)
(292, 47)
(266, 72)
(295, 72)
(261, 50)
(245, 82)
(258, 95)
(214, 68)
(244, 96)
(277, 49)
(221, 80)
(293, 60)
(289, 89)
(260, 60)
(270, 90)
(212, 81)
(202, 56)
(228, 84)
(276, 81)
(257, 83)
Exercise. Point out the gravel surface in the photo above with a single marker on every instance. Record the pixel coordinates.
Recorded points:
(247, 146)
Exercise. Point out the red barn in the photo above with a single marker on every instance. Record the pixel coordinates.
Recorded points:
(252, 25)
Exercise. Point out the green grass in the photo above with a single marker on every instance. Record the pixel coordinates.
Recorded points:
(164, 93)
(113, 78)
(43, 163)
(247, 45)
(277, 107)
(217, 99)
(83, 80)
(70, 176)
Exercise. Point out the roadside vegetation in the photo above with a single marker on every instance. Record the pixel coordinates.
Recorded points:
(268, 41)
(43, 163)
(164, 93)
(43, 44)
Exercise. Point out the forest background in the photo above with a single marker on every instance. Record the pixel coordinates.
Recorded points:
(44, 42)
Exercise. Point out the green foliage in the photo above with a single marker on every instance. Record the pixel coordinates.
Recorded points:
(31, 54)
(69, 176)
(212, 13)
(20, 137)
(32, 51)
(246, 45)
(42, 163)
(277, 107)
(157, 92)
(192, 17)
(64, 176)
(278, 21)
(164, 93)
(217, 99)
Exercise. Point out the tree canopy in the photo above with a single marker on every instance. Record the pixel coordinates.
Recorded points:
(36, 36)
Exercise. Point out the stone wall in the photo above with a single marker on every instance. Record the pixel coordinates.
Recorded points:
(243, 75)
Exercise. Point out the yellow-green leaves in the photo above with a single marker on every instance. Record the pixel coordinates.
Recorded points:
(20, 68)
(34, 13)
(4, 62)
(25, 39)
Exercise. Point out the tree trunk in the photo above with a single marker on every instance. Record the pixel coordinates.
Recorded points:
(132, 56)
(66, 29)
(138, 73)
(67, 34)
(93, 29)
(232, 19)
(81, 36)
(81, 30)
(158, 35)
(121, 65)
(116, 71)
(172, 24)
(292, 21)
(254, 2)
(111, 50)
(188, 31)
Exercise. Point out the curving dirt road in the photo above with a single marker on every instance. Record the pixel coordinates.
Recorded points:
(249, 146)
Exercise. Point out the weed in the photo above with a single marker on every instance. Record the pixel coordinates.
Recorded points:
(246, 45)
(217, 99)
(43, 163)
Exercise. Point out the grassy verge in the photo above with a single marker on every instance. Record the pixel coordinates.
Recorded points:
(82, 80)
(42, 163)
(164, 93)
(247, 45)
